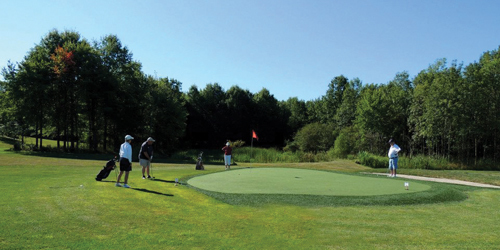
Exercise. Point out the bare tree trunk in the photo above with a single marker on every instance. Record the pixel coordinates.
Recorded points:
(475, 151)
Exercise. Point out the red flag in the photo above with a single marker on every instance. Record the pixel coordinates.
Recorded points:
(254, 135)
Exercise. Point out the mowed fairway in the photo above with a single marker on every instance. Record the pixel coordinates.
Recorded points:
(300, 181)
(55, 203)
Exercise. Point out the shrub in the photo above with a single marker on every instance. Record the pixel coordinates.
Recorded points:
(427, 162)
(17, 146)
(237, 144)
(315, 137)
(371, 160)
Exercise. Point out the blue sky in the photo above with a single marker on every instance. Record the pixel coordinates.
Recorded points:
(294, 48)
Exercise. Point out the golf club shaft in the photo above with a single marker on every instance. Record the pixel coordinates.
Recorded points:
(151, 169)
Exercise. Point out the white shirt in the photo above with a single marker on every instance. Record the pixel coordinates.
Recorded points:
(393, 151)
(126, 151)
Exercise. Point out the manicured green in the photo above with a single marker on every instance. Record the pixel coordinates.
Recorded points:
(301, 181)
(54, 203)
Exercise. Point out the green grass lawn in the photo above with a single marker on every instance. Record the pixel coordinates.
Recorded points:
(55, 203)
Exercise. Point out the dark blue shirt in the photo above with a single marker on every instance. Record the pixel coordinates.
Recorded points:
(146, 148)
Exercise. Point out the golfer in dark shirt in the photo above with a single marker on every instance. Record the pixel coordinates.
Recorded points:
(146, 155)
(227, 155)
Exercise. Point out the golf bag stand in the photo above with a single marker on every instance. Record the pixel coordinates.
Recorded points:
(199, 163)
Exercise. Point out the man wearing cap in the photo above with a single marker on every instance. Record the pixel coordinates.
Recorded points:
(227, 155)
(125, 160)
(146, 155)
(393, 157)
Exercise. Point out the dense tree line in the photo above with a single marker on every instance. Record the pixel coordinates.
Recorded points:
(74, 91)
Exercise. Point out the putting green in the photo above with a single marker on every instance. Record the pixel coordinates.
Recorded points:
(301, 181)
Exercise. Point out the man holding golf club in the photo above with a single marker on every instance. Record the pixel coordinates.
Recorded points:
(146, 155)
(393, 157)
(125, 160)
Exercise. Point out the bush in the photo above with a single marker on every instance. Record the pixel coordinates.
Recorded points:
(427, 162)
(315, 137)
(372, 161)
(423, 162)
(291, 146)
(17, 146)
(237, 144)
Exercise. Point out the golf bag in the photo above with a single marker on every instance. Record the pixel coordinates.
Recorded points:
(104, 173)
(199, 163)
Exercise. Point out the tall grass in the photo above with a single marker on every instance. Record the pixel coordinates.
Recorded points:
(423, 162)
(251, 155)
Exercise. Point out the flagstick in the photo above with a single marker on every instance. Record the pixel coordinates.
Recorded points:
(251, 151)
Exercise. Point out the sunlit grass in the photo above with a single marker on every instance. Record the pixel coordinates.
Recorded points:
(55, 203)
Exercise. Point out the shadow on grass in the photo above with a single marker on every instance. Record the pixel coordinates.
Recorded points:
(7, 140)
(163, 180)
(151, 191)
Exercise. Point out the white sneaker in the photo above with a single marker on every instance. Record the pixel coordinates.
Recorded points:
(126, 186)
(118, 185)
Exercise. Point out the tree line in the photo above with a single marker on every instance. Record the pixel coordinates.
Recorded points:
(76, 91)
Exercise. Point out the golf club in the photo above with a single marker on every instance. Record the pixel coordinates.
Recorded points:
(116, 174)
(151, 167)
(114, 168)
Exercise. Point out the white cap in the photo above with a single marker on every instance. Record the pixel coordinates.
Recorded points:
(227, 144)
(151, 139)
(128, 137)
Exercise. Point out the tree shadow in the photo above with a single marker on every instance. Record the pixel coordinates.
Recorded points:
(151, 191)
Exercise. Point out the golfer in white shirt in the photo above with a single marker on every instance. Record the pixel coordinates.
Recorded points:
(393, 157)
(125, 160)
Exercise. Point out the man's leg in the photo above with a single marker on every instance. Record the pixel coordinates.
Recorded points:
(126, 177)
(118, 179)
(395, 166)
(390, 167)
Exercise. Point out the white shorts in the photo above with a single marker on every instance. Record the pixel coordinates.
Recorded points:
(144, 162)
(227, 160)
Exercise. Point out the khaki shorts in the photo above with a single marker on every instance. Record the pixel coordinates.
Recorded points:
(144, 162)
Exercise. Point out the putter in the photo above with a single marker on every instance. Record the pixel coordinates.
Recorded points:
(151, 168)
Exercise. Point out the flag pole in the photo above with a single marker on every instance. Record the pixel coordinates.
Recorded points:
(251, 150)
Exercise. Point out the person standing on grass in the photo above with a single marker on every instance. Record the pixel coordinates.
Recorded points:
(227, 155)
(146, 156)
(125, 161)
(393, 157)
